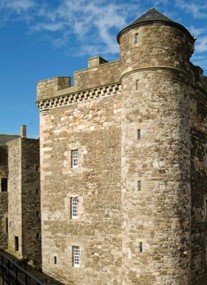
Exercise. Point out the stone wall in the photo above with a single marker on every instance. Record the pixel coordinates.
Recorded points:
(198, 185)
(24, 199)
(139, 126)
(31, 215)
(15, 197)
(93, 128)
(3, 198)
(158, 214)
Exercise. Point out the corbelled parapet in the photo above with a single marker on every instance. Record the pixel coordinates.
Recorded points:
(48, 88)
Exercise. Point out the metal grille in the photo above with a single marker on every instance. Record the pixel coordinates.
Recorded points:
(74, 207)
(74, 158)
(76, 256)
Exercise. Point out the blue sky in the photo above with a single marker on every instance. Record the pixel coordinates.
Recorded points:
(40, 39)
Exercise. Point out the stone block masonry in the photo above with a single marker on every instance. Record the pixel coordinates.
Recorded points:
(20, 225)
(123, 164)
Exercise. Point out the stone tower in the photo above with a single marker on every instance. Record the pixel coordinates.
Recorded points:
(20, 225)
(124, 161)
(156, 198)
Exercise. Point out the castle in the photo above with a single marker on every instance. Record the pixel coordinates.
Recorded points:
(123, 164)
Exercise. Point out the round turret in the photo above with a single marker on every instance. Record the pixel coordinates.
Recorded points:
(156, 147)
(154, 40)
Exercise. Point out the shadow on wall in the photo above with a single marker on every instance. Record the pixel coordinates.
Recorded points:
(10, 261)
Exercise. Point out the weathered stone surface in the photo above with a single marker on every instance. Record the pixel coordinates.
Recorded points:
(24, 199)
(142, 199)
(20, 203)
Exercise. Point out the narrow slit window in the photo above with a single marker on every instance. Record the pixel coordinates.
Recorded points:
(139, 185)
(137, 84)
(4, 184)
(55, 259)
(136, 38)
(16, 243)
(74, 158)
(140, 246)
(138, 134)
(7, 225)
(74, 207)
(76, 256)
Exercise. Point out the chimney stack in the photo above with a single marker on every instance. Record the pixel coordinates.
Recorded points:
(23, 131)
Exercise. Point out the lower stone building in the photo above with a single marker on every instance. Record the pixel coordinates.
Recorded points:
(20, 224)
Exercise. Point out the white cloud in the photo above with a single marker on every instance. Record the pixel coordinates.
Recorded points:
(90, 23)
(201, 44)
(17, 5)
(197, 9)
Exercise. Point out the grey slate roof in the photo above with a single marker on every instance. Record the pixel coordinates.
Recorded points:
(6, 138)
(151, 16)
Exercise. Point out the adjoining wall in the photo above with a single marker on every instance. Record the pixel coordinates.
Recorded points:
(198, 121)
(31, 215)
(3, 198)
(15, 197)
(24, 199)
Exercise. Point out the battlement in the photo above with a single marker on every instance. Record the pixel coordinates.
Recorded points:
(99, 73)
(48, 88)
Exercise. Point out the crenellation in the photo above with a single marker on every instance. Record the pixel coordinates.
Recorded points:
(49, 88)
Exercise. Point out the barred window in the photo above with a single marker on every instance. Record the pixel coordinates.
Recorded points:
(76, 256)
(74, 207)
(74, 158)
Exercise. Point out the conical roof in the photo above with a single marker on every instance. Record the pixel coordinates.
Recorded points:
(149, 17)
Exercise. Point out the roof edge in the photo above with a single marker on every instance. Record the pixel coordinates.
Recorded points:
(167, 23)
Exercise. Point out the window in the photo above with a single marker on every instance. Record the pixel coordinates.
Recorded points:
(140, 247)
(7, 225)
(16, 243)
(74, 158)
(37, 235)
(136, 38)
(55, 259)
(37, 213)
(138, 134)
(76, 256)
(4, 184)
(137, 84)
(74, 207)
(139, 185)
